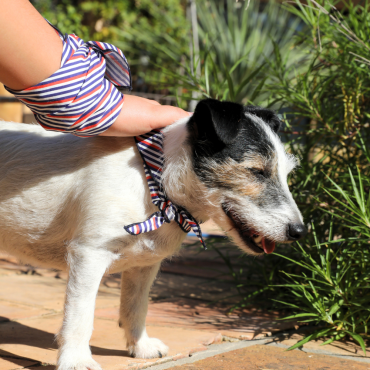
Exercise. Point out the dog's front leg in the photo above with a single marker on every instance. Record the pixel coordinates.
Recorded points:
(135, 286)
(86, 268)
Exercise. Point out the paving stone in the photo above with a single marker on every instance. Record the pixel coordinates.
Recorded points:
(201, 267)
(261, 357)
(172, 286)
(108, 344)
(35, 291)
(12, 311)
(196, 315)
(199, 315)
(41, 367)
(34, 338)
(11, 363)
(31, 338)
(46, 293)
(341, 348)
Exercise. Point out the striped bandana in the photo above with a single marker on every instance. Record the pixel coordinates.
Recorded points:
(150, 147)
(81, 96)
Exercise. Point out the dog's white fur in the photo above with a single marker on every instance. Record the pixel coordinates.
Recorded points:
(63, 204)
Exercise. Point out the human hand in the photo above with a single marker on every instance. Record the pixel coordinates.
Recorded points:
(139, 116)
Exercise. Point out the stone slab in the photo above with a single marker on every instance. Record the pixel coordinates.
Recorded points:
(41, 367)
(46, 293)
(11, 363)
(12, 311)
(262, 357)
(339, 348)
(34, 291)
(31, 338)
(34, 339)
(172, 286)
(200, 316)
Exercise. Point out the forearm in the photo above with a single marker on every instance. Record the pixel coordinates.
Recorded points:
(139, 116)
(31, 52)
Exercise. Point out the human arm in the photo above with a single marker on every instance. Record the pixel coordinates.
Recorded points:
(31, 52)
(139, 116)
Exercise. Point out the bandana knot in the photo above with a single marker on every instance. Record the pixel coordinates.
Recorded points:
(150, 147)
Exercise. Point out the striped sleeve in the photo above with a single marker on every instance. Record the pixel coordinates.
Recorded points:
(82, 96)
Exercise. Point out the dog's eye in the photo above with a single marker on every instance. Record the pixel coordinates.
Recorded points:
(258, 173)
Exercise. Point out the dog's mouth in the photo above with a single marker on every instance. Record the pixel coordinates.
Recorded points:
(256, 242)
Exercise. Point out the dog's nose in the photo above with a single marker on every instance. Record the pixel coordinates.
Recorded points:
(296, 231)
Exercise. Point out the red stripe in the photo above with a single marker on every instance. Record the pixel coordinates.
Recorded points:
(65, 80)
(95, 109)
(120, 65)
(100, 45)
(110, 112)
(46, 103)
(155, 167)
(152, 145)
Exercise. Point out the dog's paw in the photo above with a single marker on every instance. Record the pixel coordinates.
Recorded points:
(71, 361)
(148, 348)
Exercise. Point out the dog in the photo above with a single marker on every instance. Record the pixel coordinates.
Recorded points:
(64, 201)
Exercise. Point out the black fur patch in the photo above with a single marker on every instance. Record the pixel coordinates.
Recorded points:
(220, 131)
(266, 115)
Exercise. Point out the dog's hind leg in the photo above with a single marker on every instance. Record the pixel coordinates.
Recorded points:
(135, 286)
(86, 268)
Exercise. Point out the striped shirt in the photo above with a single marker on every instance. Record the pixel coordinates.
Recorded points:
(82, 96)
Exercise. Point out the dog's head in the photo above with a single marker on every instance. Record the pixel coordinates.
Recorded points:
(240, 159)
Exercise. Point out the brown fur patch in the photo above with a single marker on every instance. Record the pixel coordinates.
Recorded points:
(235, 176)
(238, 176)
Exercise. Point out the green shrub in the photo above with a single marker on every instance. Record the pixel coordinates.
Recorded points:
(325, 102)
(235, 45)
(135, 26)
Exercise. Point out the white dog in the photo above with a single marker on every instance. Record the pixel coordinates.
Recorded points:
(65, 200)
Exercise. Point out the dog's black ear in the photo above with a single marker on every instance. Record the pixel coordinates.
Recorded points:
(217, 121)
(266, 115)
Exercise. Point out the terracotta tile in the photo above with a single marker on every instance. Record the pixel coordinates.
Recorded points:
(179, 356)
(197, 349)
(196, 315)
(108, 344)
(31, 338)
(197, 267)
(268, 358)
(345, 348)
(32, 290)
(110, 313)
(12, 311)
(46, 292)
(11, 363)
(217, 339)
(34, 339)
(171, 286)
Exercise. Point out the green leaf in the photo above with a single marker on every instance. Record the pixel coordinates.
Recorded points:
(310, 337)
(334, 308)
(299, 315)
(358, 339)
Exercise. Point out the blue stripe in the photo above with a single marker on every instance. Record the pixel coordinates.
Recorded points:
(79, 89)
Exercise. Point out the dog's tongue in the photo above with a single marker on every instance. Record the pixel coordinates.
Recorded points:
(268, 245)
